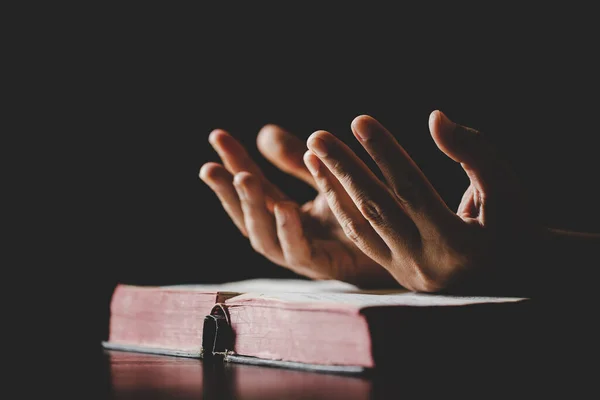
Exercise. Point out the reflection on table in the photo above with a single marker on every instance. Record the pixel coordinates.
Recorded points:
(145, 376)
(134, 375)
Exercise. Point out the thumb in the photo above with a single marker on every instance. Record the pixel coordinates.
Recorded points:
(285, 151)
(470, 148)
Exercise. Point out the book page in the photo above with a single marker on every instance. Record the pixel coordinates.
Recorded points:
(362, 300)
(272, 285)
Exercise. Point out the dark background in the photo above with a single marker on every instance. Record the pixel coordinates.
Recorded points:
(137, 91)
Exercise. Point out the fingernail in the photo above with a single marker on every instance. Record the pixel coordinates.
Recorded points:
(240, 188)
(361, 131)
(318, 147)
(202, 173)
(312, 164)
(212, 137)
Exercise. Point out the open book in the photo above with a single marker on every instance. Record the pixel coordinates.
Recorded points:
(319, 325)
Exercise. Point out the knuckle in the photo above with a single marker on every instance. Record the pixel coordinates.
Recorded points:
(354, 230)
(371, 211)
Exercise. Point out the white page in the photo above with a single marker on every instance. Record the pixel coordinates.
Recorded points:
(361, 300)
(272, 285)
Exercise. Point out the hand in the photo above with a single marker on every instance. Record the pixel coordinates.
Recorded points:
(306, 239)
(405, 226)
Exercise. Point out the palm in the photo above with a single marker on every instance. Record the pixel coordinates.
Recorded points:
(332, 254)
(325, 231)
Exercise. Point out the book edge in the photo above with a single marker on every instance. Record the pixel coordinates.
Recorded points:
(131, 348)
(245, 360)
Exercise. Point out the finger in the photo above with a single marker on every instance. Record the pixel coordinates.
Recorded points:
(297, 251)
(468, 204)
(469, 147)
(367, 192)
(285, 151)
(312, 258)
(234, 155)
(221, 182)
(353, 223)
(259, 222)
(405, 179)
(236, 159)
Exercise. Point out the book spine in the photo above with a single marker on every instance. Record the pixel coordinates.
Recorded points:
(217, 335)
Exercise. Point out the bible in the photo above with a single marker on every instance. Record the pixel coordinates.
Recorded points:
(326, 326)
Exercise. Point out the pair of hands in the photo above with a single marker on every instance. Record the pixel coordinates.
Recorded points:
(361, 230)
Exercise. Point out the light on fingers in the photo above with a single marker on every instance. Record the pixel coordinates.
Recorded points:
(355, 226)
(260, 223)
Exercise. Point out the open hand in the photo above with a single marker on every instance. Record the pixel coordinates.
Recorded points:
(306, 239)
(363, 231)
(404, 225)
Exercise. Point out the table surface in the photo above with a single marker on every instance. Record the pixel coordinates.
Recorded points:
(144, 376)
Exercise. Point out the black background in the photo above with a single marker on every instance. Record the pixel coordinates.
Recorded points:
(135, 93)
